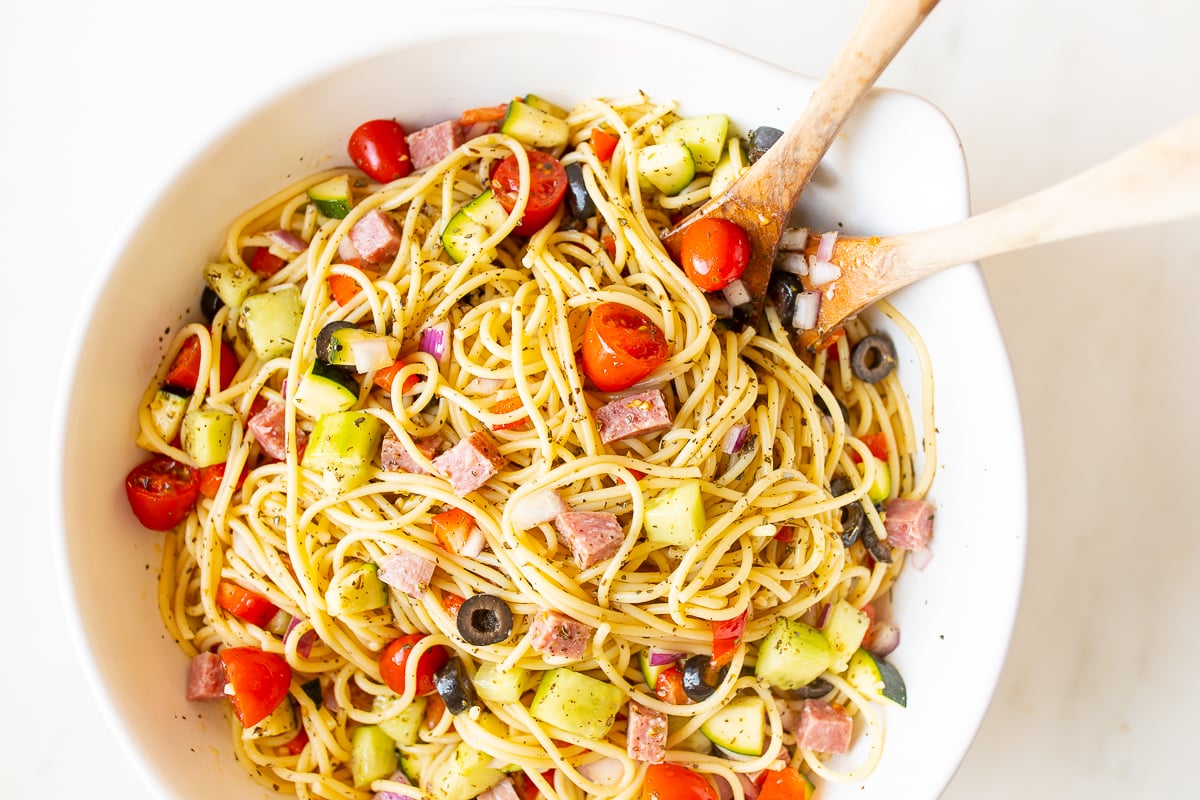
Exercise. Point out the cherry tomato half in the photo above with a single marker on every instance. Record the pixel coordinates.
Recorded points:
(260, 681)
(673, 782)
(379, 149)
(548, 181)
(394, 661)
(785, 784)
(185, 369)
(621, 345)
(161, 492)
(714, 252)
(245, 604)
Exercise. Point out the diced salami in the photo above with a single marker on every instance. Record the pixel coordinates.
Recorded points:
(824, 727)
(267, 428)
(633, 415)
(206, 677)
(430, 145)
(394, 456)
(408, 572)
(504, 790)
(646, 734)
(376, 236)
(470, 463)
(555, 634)
(909, 523)
(593, 536)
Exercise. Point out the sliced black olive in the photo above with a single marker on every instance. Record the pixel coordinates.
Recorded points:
(854, 524)
(873, 358)
(578, 199)
(455, 687)
(810, 691)
(782, 291)
(484, 619)
(700, 679)
(820, 401)
(841, 485)
(878, 550)
(210, 303)
(313, 690)
(761, 139)
(325, 337)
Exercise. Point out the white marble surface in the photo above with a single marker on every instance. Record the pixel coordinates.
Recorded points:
(1097, 697)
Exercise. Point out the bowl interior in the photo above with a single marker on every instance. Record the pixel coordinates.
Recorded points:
(897, 166)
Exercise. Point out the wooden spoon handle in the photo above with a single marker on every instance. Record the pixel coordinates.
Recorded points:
(1156, 181)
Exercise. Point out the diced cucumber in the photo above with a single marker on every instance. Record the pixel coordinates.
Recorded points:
(271, 320)
(731, 166)
(206, 435)
(345, 344)
(533, 126)
(876, 678)
(372, 755)
(342, 446)
(882, 486)
(694, 742)
(405, 725)
(360, 590)
(704, 137)
(464, 775)
(280, 721)
(676, 516)
(792, 655)
(166, 415)
(332, 197)
(475, 222)
(410, 765)
(231, 282)
(543, 104)
(649, 671)
(738, 726)
(844, 630)
(668, 167)
(500, 686)
(325, 389)
(576, 702)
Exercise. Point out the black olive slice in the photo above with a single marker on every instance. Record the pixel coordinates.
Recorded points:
(700, 679)
(878, 550)
(854, 522)
(873, 358)
(325, 337)
(810, 691)
(455, 687)
(841, 485)
(782, 291)
(578, 200)
(484, 619)
(761, 139)
(210, 303)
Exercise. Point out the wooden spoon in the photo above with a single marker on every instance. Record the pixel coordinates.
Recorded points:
(1156, 181)
(762, 199)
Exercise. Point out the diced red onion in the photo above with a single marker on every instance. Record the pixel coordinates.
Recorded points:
(737, 294)
(435, 341)
(304, 644)
(288, 241)
(535, 508)
(920, 558)
(823, 615)
(474, 544)
(794, 240)
(789, 717)
(604, 771)
(808, 306)
(719, 306)
(749, 787)
(504, 790)
(795, 263)
(825, 246)
(725, 791)
(347, 251)
(822, 272)
(659, 658)
(735, 440)
(371, 354)
(885, 637)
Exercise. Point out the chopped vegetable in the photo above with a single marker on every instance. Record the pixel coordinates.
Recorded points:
(260, 682)
(603, 143)
(873, 358)
(548, 184)
(455, 687)
(484, 619)
(701, 676)
(161, 492)
(378, 147)
(621, 346)
(453, 529)
(675, 782)
(244, 604)
(394, 660)
(714, 253)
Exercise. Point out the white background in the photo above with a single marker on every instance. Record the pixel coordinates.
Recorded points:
(1098, 697)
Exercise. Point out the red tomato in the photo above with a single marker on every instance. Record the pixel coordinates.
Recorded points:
(673, 782)
(161, 492)
(714, 252)
(785, 784)
(474, 116)
(603, 143)
(245, 604)
(344, 289)
(296, 746)
(379, 149)
(876, 443)
(526, 788)
(503, 407)
(452, 528)
(727, 636)
(185, 369)
(384, 377)
(548, 185)
(260, 682)
(393, 663)
(621, 346)
(266, 263)
(452, 603)
(668, 687)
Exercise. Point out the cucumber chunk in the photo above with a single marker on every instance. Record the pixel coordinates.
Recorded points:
(738, 726)
(344, 344)
(206, 435)
(731, 166)
(332, 197)
(405, 726)
(844, 630)
(576, 702)
(876, 678)
(372, 755)
(231, 282)
(792, 655)
(649, 671)
(342, 446)
(325, 389)
(500, 686)
(270, 321)
(475, 222)
(542, 104)
(464, 775)
(694, 742)
(676, 516)
(882, 486)
(166, 415)
(360, 590)
(668, 167)
(280, 721)
(704, 137)
(533, 126)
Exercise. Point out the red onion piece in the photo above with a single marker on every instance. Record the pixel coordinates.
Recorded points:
(795, 263)
(287, 241)
(304, 644)
(808, 306)
(735, 440)
(821, 272)
(659, 658)
(920, 558)
(435, 341)
(533, 509)
(737, 294)
(823, 615)
(885, 637)
(719, 306)
(825, 246)
(793, 240)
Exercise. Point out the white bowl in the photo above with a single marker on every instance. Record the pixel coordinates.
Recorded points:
(897, 166)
